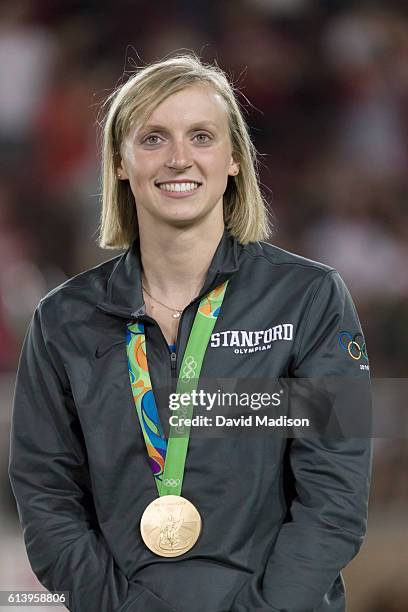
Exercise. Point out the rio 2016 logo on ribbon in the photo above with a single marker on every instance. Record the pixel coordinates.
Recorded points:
(190, 367)
(353, 345)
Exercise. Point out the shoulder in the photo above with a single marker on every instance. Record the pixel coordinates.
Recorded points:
(327, 295)
(273, 262)
(84, 289)
(294, 275)
(275, 256)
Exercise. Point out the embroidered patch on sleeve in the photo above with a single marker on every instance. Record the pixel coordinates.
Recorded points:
(354, 347)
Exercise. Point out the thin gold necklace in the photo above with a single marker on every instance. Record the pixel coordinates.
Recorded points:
(176, 312)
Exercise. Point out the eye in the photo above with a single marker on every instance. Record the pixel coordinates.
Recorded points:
(152, 139)
(202, 138)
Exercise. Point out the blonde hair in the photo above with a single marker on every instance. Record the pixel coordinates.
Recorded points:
(245, 211)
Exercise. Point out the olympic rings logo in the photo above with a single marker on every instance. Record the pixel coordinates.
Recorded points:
(353, 345)
(189, 369)
(171, 482)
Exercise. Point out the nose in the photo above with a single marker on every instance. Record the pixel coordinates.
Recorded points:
(179, 158)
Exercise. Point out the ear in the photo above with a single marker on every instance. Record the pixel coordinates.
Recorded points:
(121, 172)
(233, 167)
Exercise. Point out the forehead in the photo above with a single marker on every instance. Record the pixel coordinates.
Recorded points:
(192, 105)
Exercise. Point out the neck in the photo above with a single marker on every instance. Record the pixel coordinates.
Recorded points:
(176, 260)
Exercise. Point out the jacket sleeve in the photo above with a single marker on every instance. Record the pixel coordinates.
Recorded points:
(50, 480)
(327, 518)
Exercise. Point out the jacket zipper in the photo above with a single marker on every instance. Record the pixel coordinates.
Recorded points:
(173, 364)
(173, 355)
(173, 360)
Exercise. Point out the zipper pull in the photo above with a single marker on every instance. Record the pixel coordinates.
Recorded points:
(173, 360)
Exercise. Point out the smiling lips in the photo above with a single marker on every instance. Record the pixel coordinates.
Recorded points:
(178, 188)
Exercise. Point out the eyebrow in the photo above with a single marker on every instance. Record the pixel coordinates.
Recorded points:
(193, 126)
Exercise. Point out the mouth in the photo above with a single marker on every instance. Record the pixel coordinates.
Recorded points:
(178, 187)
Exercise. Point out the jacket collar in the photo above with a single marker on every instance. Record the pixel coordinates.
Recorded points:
(124, 296)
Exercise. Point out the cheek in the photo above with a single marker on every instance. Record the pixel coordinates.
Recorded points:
(218, 166)
(141, 172)
(222, 171)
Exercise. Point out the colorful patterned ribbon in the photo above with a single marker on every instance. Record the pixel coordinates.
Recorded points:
(167, 459)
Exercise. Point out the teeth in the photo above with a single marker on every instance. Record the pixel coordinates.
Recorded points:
(179, 186)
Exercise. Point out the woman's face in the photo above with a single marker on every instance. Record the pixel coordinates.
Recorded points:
(178, 163)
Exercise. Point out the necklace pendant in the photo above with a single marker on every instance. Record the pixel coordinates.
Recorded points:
(177, 314)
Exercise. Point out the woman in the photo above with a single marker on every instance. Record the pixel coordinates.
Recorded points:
(116, 507)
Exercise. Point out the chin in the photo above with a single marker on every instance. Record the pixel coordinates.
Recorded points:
(185, 217)
(184, 222)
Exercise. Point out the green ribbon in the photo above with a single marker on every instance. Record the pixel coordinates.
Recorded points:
(169, 480)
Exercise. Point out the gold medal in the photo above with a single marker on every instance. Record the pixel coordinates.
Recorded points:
(170, 525)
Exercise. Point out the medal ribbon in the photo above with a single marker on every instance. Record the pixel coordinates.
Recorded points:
(168, 458)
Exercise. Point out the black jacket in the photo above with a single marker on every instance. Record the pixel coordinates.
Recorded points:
(78, 463)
